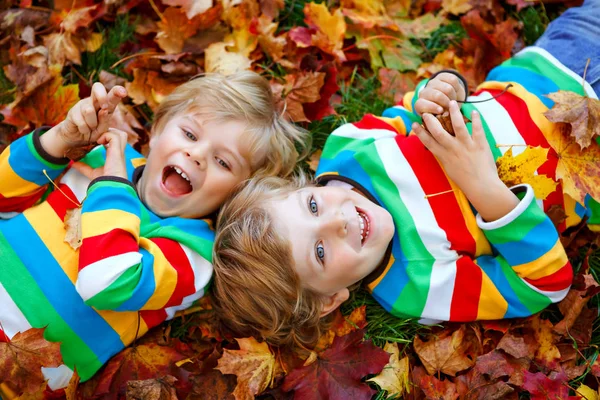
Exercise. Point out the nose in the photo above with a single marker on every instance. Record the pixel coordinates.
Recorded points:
(336, 223)
(198, 154)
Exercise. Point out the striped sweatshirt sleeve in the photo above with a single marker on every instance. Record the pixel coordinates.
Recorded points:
(121, 270)
(22, 167)
(529, 270)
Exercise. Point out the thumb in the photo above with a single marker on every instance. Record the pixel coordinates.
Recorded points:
(84, 169)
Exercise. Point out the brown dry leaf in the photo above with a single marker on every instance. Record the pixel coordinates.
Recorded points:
(299, 89)
(79, 18)
(218, 59)
(152, 389)
(73, 228)
(447, 352)
(578, 168)
(514, 170)
(456, 7)
(497, 364)
(191, 7)
(253, 364)
(330, 29)
(547, 354)
(71, 389)
(583, 113)
(174, 29)
(394, 376)
(63, 47)
(572, 305)
(269, 43)
(313, 161)
(23, 357)
(395, 84)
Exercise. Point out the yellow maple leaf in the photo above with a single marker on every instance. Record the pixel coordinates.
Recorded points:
(218, 59)
(521, 169)
(330, 28)
(253, 364)
(394, 376)
(587, 392)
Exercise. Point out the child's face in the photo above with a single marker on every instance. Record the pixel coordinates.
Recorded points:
(193, 165)
(337, 235)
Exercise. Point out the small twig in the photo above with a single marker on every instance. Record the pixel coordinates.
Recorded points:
(438, 194)
(147, 53)
(157, 11)
(587, 64)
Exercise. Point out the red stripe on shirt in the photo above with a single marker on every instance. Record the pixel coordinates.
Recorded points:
(3, 337)
(559, 280)
(153, 318)
(467, 290)
(113, 243)
(62, 200)
(369, 121)
(185, 274)
(20, 203)
(445, 207)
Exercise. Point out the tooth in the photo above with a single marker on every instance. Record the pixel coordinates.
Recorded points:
(178, 170)
(185, 176)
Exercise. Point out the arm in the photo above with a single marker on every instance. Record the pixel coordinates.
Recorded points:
(121, 270)
(22, 167)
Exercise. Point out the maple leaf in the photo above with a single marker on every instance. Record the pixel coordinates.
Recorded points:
(394, 376)
(143, 361)
(340, 325)
(218, 59)
(269, 43)
(578, 168)
(395, 84)
(155, 389)
(543, 387)
(299, 89)
(174, 29)
(329, 29)
(497, 364)
(582, 112)
(63, 47)
(23, 357)
(253, 364)
(587, 392)
(79, 18)
(474, 385)
(514, 170)
(73, 227)
(48, 105)
(456, 7)
(71, 389)
(149, 87)
(191, 7)
(337, 372)
(390, 50)
(449, 353)
(572, 305)
(433, 387)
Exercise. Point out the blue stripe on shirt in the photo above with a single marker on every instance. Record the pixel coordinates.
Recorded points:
(537, 242)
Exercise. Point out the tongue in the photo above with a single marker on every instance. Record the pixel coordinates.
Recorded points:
(176, 184)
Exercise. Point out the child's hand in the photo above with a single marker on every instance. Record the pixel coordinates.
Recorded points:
(468, 161)
(85, 122)
(439, 92)
(114, 141)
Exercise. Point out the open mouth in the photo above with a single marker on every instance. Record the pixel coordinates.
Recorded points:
(176, 180)
(364, 224)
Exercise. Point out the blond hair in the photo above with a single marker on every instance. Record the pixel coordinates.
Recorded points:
(256, 289)
(247, 97)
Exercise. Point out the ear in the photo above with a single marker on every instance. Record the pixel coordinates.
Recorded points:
(333, 301)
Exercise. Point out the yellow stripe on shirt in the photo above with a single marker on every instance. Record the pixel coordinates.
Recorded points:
(94, 223)
(165, 276)
(546, 265)
(13, 185)
(491, 303)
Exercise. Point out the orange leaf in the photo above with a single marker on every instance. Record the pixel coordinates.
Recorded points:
(330, 29)
(23, 357)
(191, 7)
(300, 89)
(79, 18)
(158, 389)
(174, 29)
(449, 353)
(63, 47)
(578, 169)
(583, 113)
(253, 364)
(49, 105)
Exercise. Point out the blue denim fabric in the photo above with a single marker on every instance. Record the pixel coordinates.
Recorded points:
(574, 37)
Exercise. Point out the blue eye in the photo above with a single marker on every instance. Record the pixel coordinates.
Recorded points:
(223, 163)
(190, 135)
(320, 251)
(312, 205)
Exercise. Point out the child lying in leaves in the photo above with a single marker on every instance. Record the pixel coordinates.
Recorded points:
(419, 216)
(146, 250)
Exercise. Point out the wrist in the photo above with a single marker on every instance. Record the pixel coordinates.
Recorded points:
(52, 143)
(493, 201)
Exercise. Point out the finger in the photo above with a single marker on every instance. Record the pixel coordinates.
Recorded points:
(82, 126)
(115, 96)
(452, 80)
(444, 87)
(99, 95)
(83, 169)
(103, 120)
(425, 138)
(477, 128)
(437, 131)
(426, 106)
(458, 123)
(89, 115)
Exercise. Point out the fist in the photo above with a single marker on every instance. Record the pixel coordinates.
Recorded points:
(435, 98)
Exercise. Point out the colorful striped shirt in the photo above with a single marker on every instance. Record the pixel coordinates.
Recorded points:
(445, 263)
(133, 270)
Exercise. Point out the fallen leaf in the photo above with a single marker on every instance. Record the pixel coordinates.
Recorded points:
(518, 345)
(191, 7)
(474, 385)
(448, 352)
(497, 364)
(433, 387)
(299, 89)
(583, 113)
(272, 45)
(542, 387)
(547, 353)
(394, 376)
(578, 168)
(71, 389)
(329, 29)
(254, 366)
(23, 357)
(456, 7)
(514, 170)
(218, 59)
(395, 84)
(338, 371)
(79, 18)
(587, 392)
(313, 161)
(73, 227)
(152, 389)
(174, 29)
(63, 47)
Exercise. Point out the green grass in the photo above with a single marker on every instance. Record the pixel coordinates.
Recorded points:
(7, 89)
(441, 39)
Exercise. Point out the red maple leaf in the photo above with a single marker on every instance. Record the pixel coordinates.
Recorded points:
(338, 371)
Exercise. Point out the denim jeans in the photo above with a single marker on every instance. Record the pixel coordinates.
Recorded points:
(573, 38)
